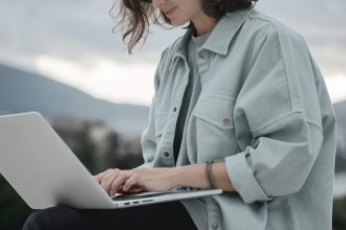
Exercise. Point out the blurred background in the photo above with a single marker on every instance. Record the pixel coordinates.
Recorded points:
(61, 58)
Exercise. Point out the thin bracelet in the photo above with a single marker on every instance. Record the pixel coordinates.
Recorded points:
(210, 174)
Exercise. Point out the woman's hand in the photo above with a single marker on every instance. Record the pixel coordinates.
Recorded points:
(113, 180)
(136, 180)
(163, 179)
(152, 179)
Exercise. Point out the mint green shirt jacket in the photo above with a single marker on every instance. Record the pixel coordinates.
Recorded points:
(264, 110)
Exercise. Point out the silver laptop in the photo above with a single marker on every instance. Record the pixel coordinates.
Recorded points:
(45, 172)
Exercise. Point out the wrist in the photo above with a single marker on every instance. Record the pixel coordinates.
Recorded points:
(190, 176)
(176, 176)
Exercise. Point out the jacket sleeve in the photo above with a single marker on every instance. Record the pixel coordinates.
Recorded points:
(277, 121)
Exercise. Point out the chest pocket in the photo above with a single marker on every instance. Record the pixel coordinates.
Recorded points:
(217, 110)
(215, 127)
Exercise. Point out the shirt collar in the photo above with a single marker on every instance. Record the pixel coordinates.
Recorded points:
(221, 36)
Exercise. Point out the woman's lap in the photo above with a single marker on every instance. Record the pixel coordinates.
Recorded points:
(171, 215)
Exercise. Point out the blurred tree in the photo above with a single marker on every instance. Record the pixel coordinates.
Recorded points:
(13, 210)
(339, 214)
(84, 150)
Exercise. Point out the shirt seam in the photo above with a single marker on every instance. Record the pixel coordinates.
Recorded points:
(276, 120)
(287, 116)
(315, 125)
(219, 96)
(278, 34)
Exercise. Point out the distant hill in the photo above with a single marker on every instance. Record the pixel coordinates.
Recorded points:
(22, 91)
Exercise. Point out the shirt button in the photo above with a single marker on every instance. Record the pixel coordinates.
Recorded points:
(226, 121)
(215, 226)
(202, 54)
(166, 154)
(175, 109)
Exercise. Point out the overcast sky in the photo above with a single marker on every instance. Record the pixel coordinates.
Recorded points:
(72, 42)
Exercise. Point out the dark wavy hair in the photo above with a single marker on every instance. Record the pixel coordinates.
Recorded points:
(137, 15)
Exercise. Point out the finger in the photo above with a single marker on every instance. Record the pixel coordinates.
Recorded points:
(107, 183)
(120, 188)
(131, 182)
(99, 176)
(117, 186)
(119, 182)
(109, 178)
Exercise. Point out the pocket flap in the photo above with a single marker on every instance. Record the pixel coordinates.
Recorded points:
(216, 110)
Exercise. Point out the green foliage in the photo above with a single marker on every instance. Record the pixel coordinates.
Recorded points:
(85, 150)
(14, 210)
(339, 214)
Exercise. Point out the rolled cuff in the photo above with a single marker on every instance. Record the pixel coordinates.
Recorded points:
(243, 179)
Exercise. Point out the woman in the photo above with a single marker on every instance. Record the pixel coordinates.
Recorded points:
(239, 105)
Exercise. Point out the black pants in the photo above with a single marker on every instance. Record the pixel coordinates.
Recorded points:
(171, 215)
